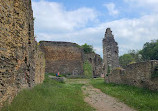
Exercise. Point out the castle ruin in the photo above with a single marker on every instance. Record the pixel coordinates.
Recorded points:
(96, 62)
(21, 60)
(63, 57)
(110, 52)
(142, 74)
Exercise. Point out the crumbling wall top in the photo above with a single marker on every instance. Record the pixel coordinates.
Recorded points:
(108, 33)
(58, 43)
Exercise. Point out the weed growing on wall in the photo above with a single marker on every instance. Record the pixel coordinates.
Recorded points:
(88, 69)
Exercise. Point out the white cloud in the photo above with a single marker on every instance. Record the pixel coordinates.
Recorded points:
(55, 23)
(112, 9)
(52, 16)
(147, 4)
(130, 33)
(144, 1)
(136, 30)
(133, 33)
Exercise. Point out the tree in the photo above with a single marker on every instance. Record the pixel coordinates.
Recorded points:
(150, 50)
(126, 59)
(87, 48)
(135, 55)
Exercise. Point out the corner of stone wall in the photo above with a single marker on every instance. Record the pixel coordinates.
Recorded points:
(115, 75)
(39, 66)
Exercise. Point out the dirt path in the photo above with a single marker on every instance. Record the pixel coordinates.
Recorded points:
(99, 100)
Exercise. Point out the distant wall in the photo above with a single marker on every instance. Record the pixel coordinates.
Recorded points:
(19, 62)
(143, 74)
(63, 57)
(96, 62)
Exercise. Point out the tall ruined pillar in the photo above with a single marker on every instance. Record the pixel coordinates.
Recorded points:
(110, 52)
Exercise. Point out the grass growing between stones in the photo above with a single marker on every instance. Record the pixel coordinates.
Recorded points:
(50, 96)
(138, 98)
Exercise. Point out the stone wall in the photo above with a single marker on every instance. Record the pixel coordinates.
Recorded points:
(110, 51)
(39, 66)
(63, 57)
(96, 62)
(18, 49)
(143, 74)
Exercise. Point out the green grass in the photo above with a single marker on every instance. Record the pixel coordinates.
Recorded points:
(138, 98)
(50, 96)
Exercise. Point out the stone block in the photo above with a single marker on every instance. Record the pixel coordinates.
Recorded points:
(59, 79)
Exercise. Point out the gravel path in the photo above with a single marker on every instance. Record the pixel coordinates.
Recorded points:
(99, 100)
(102, 102)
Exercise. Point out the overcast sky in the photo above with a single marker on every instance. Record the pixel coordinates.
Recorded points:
(133, 22)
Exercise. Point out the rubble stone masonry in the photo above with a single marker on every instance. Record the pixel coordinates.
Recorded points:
(143, 74)
(96, 62)
(110, 52)
(21, 61)
(63, 57)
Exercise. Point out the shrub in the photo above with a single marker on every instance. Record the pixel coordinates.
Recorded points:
(87, 48)
(87, 69)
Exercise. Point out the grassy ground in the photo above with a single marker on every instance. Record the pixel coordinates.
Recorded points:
(50, 96)
(140, 99)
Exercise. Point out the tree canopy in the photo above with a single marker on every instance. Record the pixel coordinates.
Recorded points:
(126, 59)
(149, 52)
(87, 48)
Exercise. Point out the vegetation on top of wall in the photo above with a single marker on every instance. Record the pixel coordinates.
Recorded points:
(118, 68)
(88, 72)
(87, 48)
(149, 52)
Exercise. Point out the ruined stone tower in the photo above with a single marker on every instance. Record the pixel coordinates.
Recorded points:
(110, 51)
